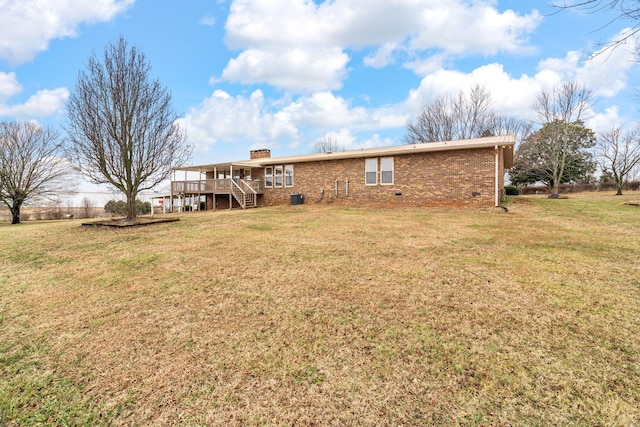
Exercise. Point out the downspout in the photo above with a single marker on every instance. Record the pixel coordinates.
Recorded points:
(497, 189)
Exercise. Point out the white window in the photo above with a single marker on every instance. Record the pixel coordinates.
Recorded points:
(386, 170)
(268, 177)
(288, 175)
(278, 177)
(371, 171)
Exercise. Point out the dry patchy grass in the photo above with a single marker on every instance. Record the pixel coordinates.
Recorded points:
(327, 316)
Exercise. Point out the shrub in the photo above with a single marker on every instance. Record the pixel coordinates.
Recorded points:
(143, 208)
(120, 207)
(114, 207)
(511, 190)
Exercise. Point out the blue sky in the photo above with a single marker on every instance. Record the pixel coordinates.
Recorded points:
(281, 74)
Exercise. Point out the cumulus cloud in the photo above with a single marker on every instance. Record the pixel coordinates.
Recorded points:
(41, 21)
(382, 57)
(606, 73)
(9, 86)
(268, 122)
(475, 27)
(513, 95)
(347, 140)
(603, 121)
(228, 118)
(285, 42)
(297, 69)
(41, 104)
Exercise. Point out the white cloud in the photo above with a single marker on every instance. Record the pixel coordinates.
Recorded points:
(299, 45)
(269, 122)
(9, 86)
(325, 110)
(382, 57)
(606, 76)
(222, 117)
(431, 64)
(606, 73)
(453, 25)
(41, 104)
(460, 27)
(605, 120)
(348, 141)
(297, 69)
(44, 20)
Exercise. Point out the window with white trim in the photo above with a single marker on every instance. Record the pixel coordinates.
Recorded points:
(386, 170)
(288, 175)
(371, 171)
(278, 177)
(268, 177)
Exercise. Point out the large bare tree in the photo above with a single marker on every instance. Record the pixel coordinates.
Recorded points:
(619, 153)
(121, 124)
(461, 116)
(559, 110)
(31, 165)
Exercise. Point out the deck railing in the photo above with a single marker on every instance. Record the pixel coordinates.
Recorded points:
(222, 185)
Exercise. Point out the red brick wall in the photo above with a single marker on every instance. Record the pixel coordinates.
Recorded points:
(439, 178)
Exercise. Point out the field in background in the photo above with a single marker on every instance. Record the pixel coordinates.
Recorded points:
(53, 213)
(327, 316)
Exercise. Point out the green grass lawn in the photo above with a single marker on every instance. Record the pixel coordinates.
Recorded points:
(327, 316)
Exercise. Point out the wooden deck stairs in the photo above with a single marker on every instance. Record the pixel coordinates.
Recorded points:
(244, 194)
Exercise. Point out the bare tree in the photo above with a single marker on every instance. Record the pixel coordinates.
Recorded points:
(619, 153)
(566, 103)
(558, 111)
(31, 165)
(87, 207)
(327, 144)
(121, 125)
(460, 116)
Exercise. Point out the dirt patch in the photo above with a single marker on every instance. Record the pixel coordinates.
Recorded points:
(124, 223)
(636, 204)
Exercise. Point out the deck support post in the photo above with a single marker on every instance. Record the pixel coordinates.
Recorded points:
(171, 192)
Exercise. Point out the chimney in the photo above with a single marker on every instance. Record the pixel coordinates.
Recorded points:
(260, 154)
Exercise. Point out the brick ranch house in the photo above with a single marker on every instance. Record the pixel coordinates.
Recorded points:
(455, 173)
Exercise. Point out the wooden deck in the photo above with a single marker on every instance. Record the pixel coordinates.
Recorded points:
(244, 192)
(213, 186)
